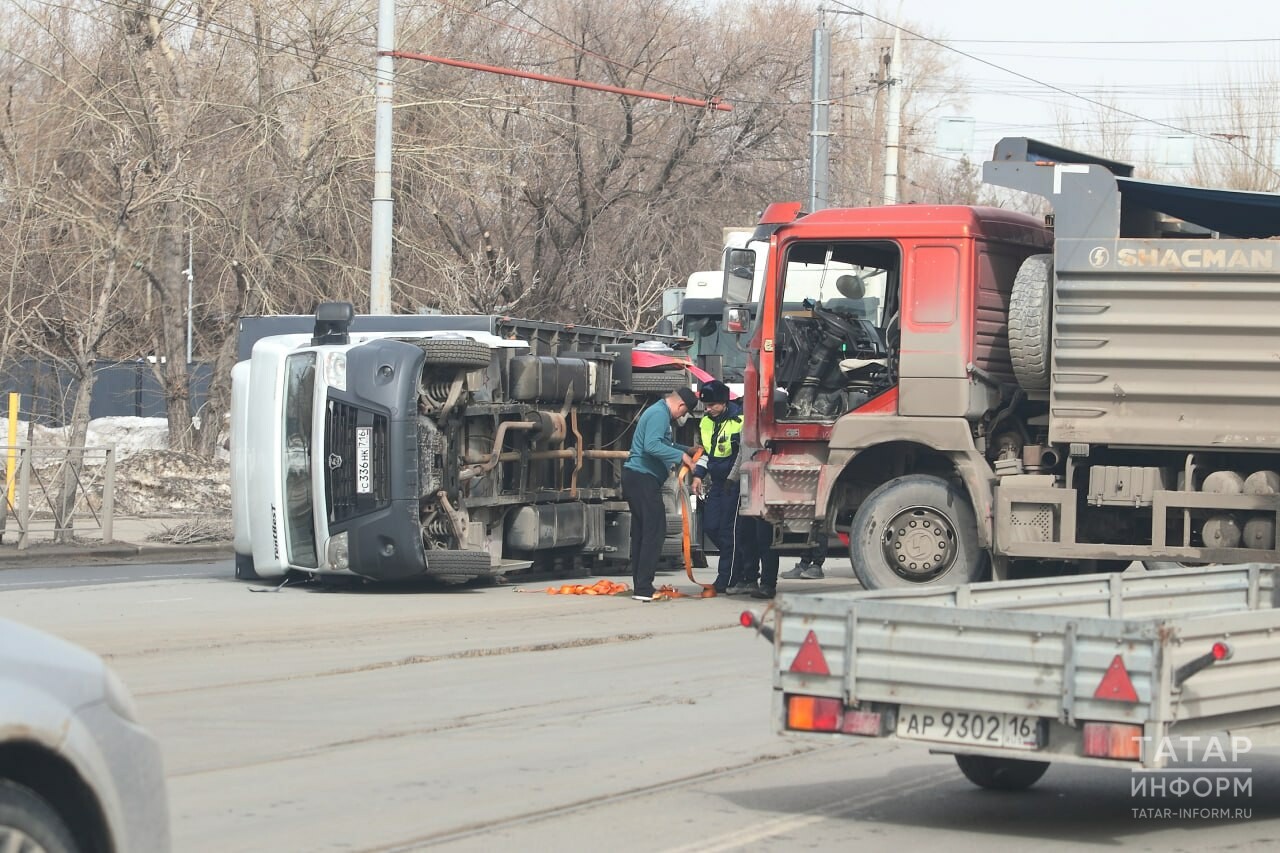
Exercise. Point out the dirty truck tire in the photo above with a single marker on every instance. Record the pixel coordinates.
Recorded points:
(1001, 774)
(1165, 565)
(664, 382)
(453, 352)
(27, 822)
(918, 529)
(244, 568)
(1031, 322)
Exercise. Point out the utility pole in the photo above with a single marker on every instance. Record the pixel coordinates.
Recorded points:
(820, 130)
(893, 121)
(380, 242)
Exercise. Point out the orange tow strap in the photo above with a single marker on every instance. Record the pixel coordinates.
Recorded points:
(708, 589)
(600, 587)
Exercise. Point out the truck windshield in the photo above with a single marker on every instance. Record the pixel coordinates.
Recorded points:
(299, 391)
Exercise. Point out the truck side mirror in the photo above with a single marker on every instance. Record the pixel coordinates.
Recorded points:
(739, 273)
(737, 320)
(333, 320)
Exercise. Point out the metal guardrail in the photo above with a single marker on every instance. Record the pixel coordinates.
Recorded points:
(56, 486)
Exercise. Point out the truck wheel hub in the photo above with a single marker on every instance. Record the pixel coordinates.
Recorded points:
(920, 544)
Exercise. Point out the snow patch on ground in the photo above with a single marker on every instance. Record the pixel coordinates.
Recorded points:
(150, 478)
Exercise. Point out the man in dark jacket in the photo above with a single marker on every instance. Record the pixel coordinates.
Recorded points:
(720, 434)
(653, 455)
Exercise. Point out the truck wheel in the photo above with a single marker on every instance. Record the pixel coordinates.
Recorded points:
(1031, 322)
(915, 530)
(27, 822)
(1166, 565)
(455, 352)
(244, 568)
(1001, 774)
(664, 382)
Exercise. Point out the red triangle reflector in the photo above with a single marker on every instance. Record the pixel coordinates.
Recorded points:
(810, 658)
(1115, 684)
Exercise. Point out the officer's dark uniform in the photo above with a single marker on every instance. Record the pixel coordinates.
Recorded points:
(720, 438)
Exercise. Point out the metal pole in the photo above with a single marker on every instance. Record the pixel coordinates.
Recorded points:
(893, 121)
(109, 497)
(380, 246)
(11, 460)
(191, 277)
(24, 498)
(820, 132)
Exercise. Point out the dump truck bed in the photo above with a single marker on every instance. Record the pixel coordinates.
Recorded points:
(1030, 667)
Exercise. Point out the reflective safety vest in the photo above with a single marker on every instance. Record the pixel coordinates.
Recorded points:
(720, 440)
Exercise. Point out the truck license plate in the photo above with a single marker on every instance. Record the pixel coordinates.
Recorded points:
(943, 725)
(364, 460)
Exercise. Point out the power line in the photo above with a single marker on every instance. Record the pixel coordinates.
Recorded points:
(1061, 90)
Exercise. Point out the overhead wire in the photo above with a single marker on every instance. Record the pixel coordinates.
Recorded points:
(1094, 101)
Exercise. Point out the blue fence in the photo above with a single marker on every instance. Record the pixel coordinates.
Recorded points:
(120, 389)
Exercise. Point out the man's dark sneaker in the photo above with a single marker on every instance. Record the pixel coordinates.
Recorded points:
(741, 589)
(720, 590)
(643, 597)
(763, 592)
(804, 572)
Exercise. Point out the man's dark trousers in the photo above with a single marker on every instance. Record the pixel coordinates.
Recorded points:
(719, 512)
(648, 526)
(755, 553)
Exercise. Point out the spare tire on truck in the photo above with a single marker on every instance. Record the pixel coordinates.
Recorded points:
(455, 352)
(663, 382)
(1031, 322)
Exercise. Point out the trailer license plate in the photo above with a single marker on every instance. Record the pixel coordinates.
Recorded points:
(364, 460)
(998, 731)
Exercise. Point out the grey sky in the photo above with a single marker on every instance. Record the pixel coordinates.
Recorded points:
(1177, 57)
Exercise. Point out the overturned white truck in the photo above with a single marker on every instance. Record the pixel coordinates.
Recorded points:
(451, 446)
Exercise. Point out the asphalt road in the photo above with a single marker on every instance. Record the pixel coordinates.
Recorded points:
(482, 719)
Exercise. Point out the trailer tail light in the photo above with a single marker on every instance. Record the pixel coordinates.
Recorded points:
(1219, 651)
(863, 723)
(1120, 741)
(814, 714)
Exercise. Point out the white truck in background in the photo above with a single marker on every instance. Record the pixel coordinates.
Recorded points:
(699, 307)
(454, 447)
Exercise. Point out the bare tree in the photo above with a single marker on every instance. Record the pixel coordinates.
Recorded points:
(1238, 143)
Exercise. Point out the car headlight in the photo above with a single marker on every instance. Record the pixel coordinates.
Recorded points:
(336, 553)
(335, 369)
(118, 697)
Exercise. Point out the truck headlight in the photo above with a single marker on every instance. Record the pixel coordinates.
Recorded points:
(335, 369)
(336, 554)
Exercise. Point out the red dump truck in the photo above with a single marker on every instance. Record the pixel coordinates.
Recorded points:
(975, 390)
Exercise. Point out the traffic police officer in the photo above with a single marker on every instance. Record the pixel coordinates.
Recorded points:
(720, 434)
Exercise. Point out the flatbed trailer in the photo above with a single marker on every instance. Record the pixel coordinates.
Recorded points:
(1116, 670)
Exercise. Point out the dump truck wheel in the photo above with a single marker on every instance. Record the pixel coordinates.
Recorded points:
(1031, 322)
(455, 352)
(915, 530)
(1167, 565)
(1001, 774)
